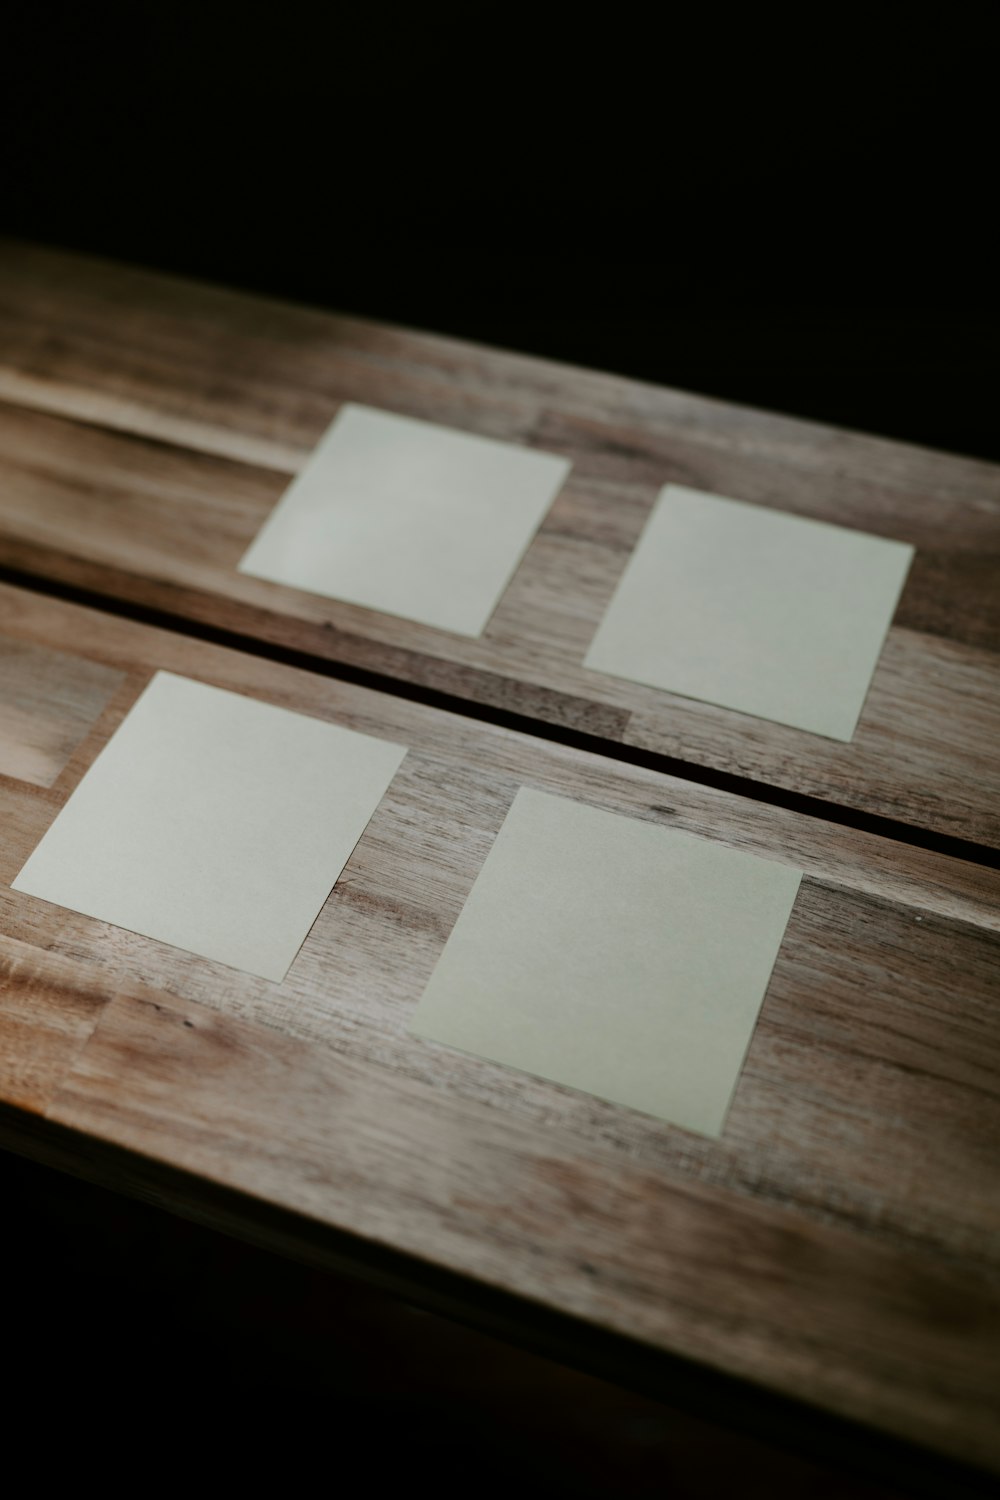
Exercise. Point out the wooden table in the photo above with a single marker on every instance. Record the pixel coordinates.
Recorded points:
(829, 1269)
(147, 427)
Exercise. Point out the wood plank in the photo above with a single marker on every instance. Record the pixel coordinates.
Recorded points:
(336, 1345)
(756, 1290)
(841, 1241)
(151, 424)
(50, 700)
(48, 1008)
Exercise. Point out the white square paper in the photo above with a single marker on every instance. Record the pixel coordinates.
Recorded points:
(615, 956)
(213, 822)
(408, 518)
(753, 609)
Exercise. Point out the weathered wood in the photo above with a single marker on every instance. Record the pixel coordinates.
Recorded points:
(840, 1243)
(49, 701)
(756, 1289)
(48, 1008)
(150, 425)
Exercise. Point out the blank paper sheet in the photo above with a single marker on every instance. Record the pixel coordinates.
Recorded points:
(753, 609)
(615, 956)
(213, 822)
(409, 518)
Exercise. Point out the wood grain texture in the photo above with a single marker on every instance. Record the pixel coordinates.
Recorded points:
(150, 425)
(50, 701)
(840, 1243)
(737, 1283)
(48, 1009)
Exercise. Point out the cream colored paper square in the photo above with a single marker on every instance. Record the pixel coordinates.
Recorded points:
(753, 609)
(612, 955)
(408, 518)
(213, 822)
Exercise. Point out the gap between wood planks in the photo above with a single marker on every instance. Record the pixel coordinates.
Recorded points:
(726, 781)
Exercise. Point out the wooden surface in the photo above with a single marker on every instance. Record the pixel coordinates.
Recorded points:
(840, 1244)
(273, 1333)
(48, 702)
(147, 427)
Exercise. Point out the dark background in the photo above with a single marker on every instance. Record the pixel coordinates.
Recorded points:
(787, 213)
